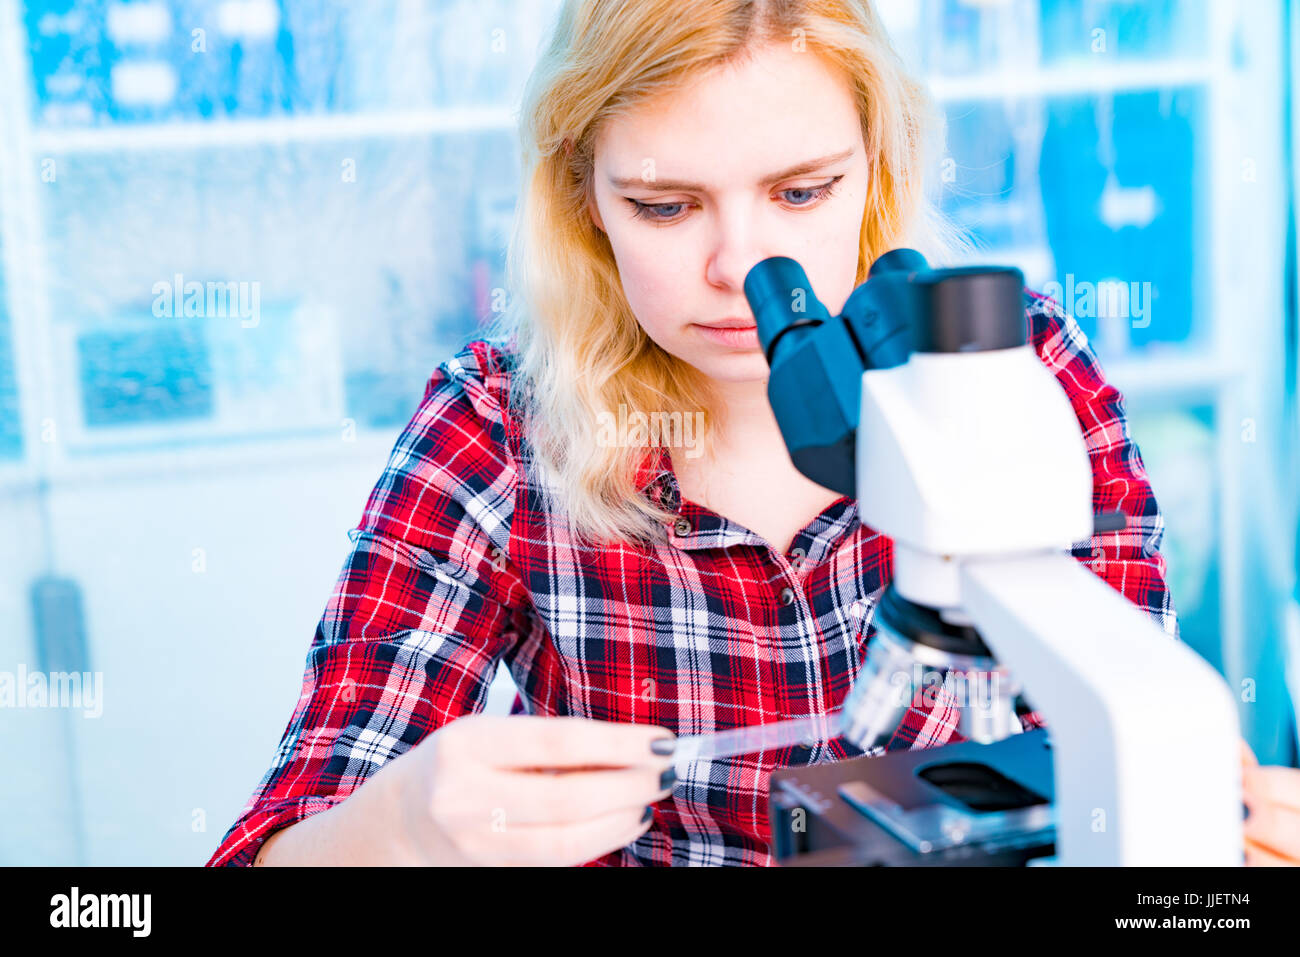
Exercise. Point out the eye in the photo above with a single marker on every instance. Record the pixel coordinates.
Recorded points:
(666, 213)
(650, 211)
(816, 192)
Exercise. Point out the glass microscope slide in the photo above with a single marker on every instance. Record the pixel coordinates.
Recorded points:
(759, 737)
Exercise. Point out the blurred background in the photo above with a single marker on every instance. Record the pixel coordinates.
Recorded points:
(237, 236)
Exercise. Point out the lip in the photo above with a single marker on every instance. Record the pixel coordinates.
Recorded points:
(745, 337)
(728, 323)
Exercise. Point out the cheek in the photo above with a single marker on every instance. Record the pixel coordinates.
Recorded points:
(834, 268)
(651, 278)
(829, 252)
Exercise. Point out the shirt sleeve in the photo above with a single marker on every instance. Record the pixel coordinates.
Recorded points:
(425, 606)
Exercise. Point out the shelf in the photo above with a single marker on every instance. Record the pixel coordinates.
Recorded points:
(327, 127)
(201, 460)
(1187, 374)
(1071, 79)
(317, 128)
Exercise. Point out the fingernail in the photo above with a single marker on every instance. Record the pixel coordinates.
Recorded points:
(663, 746)
(667, 779)
(1245, 811)
(649, 813)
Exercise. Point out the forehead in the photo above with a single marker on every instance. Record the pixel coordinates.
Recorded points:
(736, 123)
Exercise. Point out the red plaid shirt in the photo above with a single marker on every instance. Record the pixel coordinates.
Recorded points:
(458, 567)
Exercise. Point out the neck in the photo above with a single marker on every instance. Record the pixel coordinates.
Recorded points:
(747, 427)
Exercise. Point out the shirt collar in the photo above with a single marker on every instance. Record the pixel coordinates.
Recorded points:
(656, 465)
(707, 529)
(657, 480)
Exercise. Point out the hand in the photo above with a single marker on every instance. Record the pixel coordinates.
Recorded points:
(528, 790)
(1272, 794)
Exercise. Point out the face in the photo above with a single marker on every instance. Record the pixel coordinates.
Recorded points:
(759, 158)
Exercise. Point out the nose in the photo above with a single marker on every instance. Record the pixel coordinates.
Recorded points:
(734, 249)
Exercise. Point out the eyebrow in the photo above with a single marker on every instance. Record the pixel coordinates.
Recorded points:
(675, 185)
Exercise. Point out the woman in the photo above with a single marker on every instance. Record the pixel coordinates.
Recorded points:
(637, 588)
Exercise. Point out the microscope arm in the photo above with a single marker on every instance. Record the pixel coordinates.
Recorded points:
(1144, 732)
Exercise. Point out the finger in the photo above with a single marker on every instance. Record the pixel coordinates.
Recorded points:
(1257, 856)
(1274, 827)
(568, 845)
(1247, 755)
(573, 796)
(1273, 784)
(522, 741)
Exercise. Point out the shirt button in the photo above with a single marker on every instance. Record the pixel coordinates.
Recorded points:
(787, 596)
(682, 526)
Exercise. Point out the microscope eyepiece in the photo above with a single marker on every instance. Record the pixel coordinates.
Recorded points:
(809, 356)
(782, 299)
(898, 260)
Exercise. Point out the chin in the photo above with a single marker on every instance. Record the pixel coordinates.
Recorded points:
(734, 366)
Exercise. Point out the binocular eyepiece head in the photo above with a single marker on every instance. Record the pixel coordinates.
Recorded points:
(904, 307)
(961, 309)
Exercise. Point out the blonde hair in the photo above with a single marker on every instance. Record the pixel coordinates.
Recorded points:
(580, 350)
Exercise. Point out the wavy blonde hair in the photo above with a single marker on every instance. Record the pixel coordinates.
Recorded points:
(580, 350)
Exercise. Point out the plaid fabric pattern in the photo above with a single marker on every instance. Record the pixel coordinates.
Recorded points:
(458, 568)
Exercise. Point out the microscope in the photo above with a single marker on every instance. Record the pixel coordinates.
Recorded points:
(925, 401)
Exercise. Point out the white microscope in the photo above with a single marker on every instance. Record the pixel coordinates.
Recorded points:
(924, 399)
